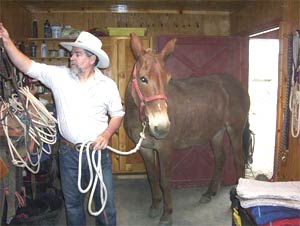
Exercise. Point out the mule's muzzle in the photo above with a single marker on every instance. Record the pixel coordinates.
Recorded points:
(159, 130)
(159, 133)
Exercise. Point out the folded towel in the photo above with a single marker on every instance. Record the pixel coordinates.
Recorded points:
(254, 189)
(247, 203)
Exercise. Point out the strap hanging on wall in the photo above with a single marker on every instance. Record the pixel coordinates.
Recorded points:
(284, 139)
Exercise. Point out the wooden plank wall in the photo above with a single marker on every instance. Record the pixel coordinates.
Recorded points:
(255, 17)
(16, 19)
(289, 168)
(213, 23)
(286, 15)
(267, 14)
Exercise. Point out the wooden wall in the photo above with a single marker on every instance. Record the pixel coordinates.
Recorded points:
(16, 19)
(286, 15)
(256, 16)
(213, 23)
(289, 168)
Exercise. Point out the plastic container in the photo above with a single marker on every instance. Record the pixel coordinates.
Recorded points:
(61, 52)
(52, 52)
(125, 31)
(43, 49)
(33, 49)
(56, 31)
(67, 29)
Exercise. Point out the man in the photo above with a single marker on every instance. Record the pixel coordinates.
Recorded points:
(88, 108)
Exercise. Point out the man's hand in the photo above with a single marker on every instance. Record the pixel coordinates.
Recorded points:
(101, 141)
(3, 33)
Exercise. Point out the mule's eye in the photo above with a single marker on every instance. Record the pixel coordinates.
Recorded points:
(144, 80)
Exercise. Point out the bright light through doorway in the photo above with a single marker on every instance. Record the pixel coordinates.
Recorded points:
(263, 85)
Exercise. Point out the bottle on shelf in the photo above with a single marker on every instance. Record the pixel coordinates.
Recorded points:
(47, 29)
(43, 49)
(34, 29)
(22, 47)
(33, 49)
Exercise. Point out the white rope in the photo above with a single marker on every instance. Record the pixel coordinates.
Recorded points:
(294, 105)
(98, 177)
(294, 101)
(85, 147)
(42, 120)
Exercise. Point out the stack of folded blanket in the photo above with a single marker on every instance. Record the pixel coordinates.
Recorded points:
(271, 203)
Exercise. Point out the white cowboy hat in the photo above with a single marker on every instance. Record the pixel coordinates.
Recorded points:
(87, 41)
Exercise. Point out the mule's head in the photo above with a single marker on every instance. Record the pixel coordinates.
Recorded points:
(149, 83)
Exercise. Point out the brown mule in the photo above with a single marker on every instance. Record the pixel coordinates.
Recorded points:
(181, 114)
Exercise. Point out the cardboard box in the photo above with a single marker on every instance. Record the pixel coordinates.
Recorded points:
(125, 31)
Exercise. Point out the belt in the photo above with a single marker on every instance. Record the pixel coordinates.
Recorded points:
(71, 145)
(67, 143)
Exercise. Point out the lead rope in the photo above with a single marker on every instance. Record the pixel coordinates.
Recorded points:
(85, 147)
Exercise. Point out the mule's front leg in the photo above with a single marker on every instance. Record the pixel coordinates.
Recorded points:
(165, 169)
(153, 177)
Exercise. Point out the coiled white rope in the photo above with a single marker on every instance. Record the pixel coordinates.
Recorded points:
(42, 120)
(85, 147)
(294, 102)
(294, 105)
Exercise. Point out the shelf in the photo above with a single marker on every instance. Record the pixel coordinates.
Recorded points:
(50, 39)
(49, 58)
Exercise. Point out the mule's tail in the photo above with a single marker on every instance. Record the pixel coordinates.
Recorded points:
(248, 144)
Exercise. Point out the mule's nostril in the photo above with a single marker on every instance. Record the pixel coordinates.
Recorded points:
(157, 130)
(159, 125)
(160, 132)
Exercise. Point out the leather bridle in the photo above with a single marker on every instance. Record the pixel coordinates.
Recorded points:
(143, 100)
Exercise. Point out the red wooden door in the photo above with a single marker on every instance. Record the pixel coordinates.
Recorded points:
(203, 55)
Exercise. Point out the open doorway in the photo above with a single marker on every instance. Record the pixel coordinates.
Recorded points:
(263, 85)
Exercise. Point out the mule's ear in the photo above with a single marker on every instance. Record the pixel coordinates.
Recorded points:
(168, 49)
(136, 46)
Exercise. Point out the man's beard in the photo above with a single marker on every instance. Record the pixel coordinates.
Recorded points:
(75, 70)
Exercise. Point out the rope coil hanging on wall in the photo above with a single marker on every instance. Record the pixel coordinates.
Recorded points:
(294, 101)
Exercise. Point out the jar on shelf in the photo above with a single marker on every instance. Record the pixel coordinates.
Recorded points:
(56, 31)
(61, 52)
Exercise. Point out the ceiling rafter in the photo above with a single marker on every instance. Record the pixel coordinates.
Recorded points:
(134, 6)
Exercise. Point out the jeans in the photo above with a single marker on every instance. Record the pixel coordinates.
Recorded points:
(74, 199)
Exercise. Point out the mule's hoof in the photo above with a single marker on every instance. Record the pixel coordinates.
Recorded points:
(165, 223)
(205, 199)
(154, 212)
